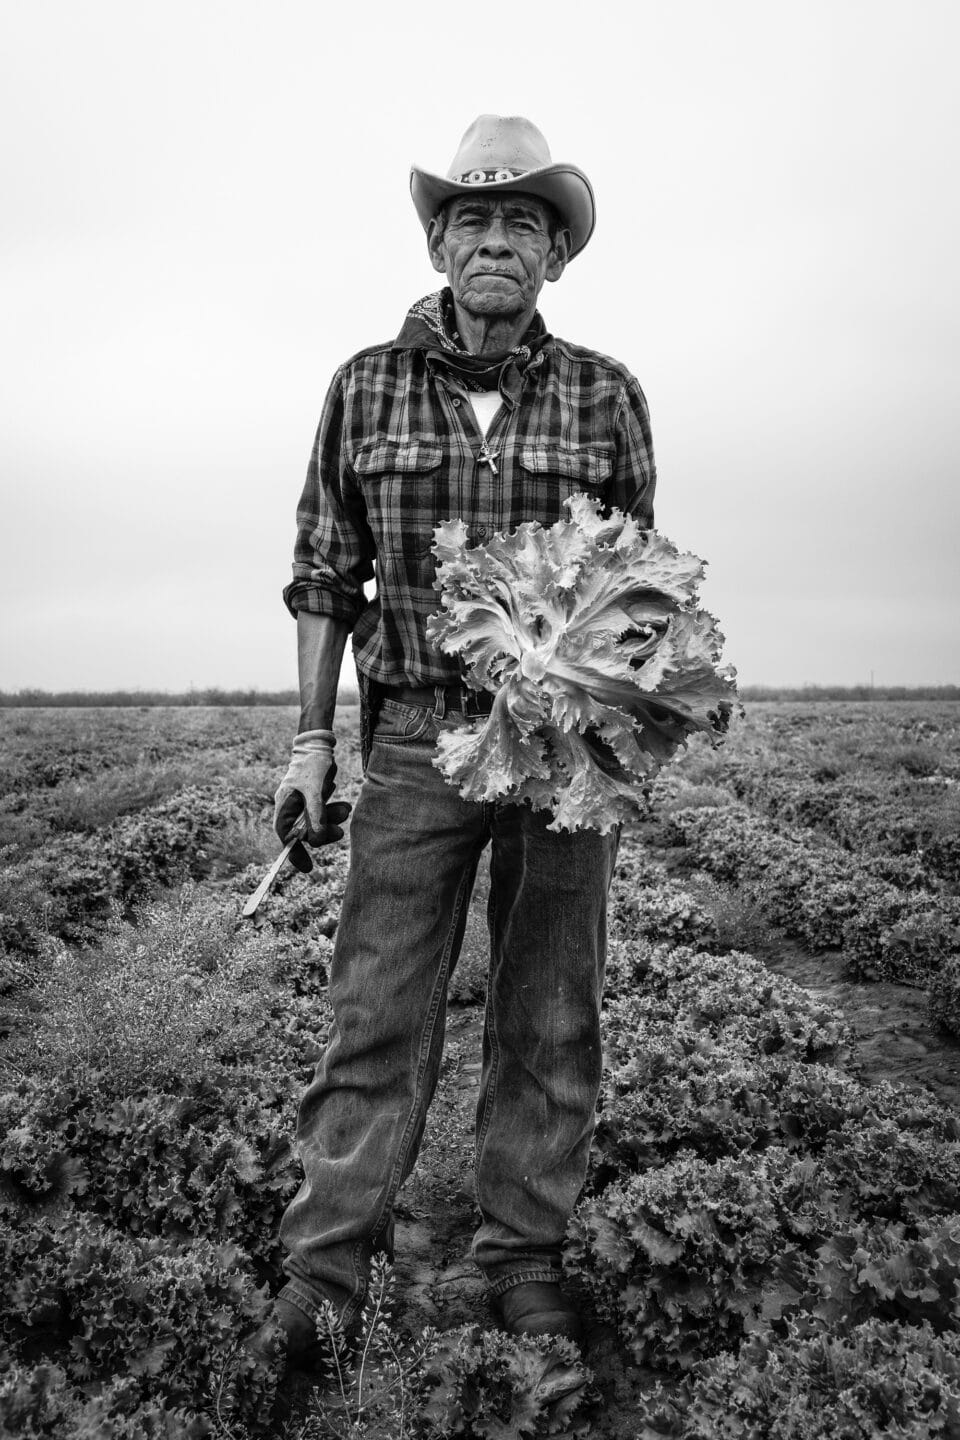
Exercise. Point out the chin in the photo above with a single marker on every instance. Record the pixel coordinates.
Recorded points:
(492, 304)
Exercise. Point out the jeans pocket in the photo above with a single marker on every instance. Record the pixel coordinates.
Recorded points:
(401, 724)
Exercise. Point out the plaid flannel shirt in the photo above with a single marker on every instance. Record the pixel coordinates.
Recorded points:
(398, 450)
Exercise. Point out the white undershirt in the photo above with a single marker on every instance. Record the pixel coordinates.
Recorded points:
(485, 405)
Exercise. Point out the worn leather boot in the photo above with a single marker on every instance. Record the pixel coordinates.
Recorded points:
(538, 1307)
(288, 1341)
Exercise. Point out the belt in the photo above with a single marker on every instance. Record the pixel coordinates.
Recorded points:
(460, 698)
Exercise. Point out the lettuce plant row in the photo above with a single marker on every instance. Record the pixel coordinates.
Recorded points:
(878, 1379)
(901, 830)
(753, 1207)
(66, 887)
(822, 895)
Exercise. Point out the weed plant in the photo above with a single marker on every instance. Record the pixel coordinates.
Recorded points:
(156, 1001)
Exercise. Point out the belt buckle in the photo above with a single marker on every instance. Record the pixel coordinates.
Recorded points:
(469, 701)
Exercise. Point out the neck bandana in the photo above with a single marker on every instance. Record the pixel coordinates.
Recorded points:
(431, 325)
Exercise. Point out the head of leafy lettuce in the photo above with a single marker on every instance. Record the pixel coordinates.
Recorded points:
(589, 634)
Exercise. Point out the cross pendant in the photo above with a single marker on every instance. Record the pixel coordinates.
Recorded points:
(489, 457)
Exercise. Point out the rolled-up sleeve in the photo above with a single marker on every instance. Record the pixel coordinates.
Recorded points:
(635, 475)
(334, 550)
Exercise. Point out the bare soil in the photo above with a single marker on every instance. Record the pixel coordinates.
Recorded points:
(895, 1038)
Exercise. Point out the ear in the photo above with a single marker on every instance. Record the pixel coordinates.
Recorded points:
(559, 254)
(435, 247)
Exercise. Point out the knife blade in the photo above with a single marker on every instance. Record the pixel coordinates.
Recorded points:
(267, 883)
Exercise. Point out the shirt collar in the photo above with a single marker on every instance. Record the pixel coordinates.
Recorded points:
(430, 325)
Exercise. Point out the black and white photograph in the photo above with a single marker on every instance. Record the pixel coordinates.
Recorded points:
(479, 721)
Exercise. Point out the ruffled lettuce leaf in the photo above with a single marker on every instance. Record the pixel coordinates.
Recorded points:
(589, 634)
(494, 759)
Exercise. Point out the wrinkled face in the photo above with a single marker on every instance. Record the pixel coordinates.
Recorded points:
(496, 252)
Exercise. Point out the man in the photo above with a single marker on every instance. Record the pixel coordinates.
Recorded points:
(473, 411)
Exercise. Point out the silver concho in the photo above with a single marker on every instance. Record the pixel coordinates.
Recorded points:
(488, 177)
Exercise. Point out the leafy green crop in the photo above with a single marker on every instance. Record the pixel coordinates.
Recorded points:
(678, 1257)
(733, 998)
(588, 633)
(483, 1385)
(163, 1313)
(682, 1092)
(38, 1402)
(893, 1272)
(161, 1165)
(823, 896)
(67, 886)
(877, 1381)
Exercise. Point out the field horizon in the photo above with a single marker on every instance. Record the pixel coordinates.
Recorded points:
(31, 698)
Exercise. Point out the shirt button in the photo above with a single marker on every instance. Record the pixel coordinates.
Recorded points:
(481, 532)
(456, 402)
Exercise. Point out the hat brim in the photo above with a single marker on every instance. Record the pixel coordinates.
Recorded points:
(564, 187)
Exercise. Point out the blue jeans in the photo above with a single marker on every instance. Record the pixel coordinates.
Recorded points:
(415, 846)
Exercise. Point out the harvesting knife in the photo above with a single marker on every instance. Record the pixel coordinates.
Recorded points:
(266, 884)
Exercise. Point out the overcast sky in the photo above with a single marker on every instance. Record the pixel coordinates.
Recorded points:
(205, 209)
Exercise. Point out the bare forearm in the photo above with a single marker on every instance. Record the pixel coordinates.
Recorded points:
(320, 645)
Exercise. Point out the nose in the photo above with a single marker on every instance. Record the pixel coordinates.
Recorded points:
(496, 242)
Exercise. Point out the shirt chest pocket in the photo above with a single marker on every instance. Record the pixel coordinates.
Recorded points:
(400, 481)
(555, 472)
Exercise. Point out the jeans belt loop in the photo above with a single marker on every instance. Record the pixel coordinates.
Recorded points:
(440, 702)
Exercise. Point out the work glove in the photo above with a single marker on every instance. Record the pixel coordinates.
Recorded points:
(305, 790)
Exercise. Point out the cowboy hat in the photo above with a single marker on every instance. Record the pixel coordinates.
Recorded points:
(500, 153)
